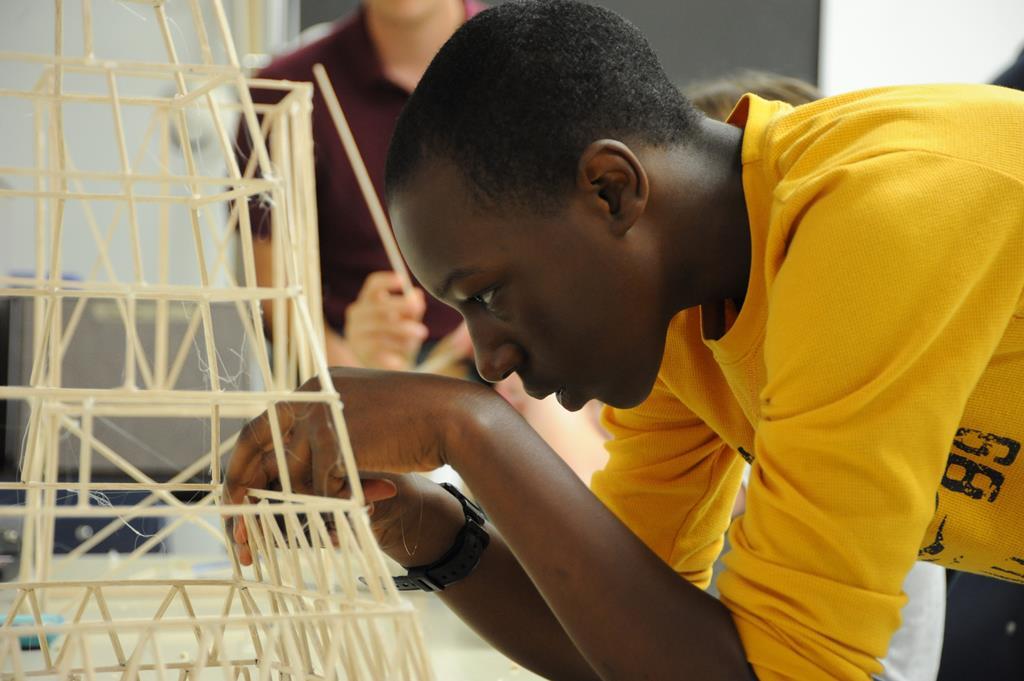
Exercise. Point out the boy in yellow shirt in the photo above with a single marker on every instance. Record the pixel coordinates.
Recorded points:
(834, 293)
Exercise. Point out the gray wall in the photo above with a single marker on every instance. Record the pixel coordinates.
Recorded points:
(698, 39)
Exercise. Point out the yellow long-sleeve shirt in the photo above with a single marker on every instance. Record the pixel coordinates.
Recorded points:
(874, 376)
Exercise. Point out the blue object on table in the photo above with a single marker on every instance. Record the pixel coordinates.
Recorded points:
(31, 641)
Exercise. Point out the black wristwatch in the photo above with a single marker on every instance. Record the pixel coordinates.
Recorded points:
(459, 560)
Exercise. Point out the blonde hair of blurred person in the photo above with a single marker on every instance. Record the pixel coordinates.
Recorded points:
(718, 96)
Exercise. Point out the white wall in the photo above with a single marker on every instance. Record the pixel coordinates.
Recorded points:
(865, 43)
(122, 31)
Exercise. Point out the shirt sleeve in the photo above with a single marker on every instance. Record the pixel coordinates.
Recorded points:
(891, 298)
(671, 480)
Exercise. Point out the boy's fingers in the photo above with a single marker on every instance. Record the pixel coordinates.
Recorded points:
(252, 463)
(328, 474)
(248, 469)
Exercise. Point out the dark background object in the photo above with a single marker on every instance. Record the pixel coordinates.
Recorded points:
(984, 630)
(160, 447)
(70, 532)
(1013, 76)
(5, 330)
(697, 40)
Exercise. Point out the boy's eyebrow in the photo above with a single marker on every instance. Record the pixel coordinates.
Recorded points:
(454, 276)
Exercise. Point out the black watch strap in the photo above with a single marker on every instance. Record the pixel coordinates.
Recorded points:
(459, 560)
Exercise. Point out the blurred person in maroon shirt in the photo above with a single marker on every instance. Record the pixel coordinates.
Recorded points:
(374, 58)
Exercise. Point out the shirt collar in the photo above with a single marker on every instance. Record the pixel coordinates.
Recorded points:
(753, 114)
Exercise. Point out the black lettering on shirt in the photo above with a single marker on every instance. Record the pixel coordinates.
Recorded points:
(936, 547)
(972, 478)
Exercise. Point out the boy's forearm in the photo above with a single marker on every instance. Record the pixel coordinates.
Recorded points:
(497, 599)
(628, 613)
(505, 608)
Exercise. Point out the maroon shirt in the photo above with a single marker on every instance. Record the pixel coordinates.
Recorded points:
(349, 246)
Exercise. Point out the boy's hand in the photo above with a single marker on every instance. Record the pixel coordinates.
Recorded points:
(418, 523)
(397, 423)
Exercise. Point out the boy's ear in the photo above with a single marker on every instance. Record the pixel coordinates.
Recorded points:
(615, 181)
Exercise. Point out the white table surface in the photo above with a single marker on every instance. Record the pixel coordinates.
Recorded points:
(456, 652)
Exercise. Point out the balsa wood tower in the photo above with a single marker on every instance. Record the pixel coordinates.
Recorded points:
(301, 611)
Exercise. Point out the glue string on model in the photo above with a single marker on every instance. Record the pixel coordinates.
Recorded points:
(263, 199)
(141, 17)
(419, 522)
(229, 381)
(103, 499)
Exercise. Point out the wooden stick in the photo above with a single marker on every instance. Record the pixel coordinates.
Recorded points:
(126, 169)
(59, 159)
(305, 180)
(204, 304)
(137, 509)
(16, 288)
(104, 611)
(64, 195)
(37, 615)
(79, 309)
(162, 325)
(116, 486)
(155, 512)
(126, 67)
(256, 185)
(187, 339)
(77, 617)
(200, 26)
(168, 398)
(279, 450)
(122, 465)
(87, 40)
(285, 342)
(380, 220)
(47, 544)
(85, 456)
(30, 95)
(225, 34)
(39, 304)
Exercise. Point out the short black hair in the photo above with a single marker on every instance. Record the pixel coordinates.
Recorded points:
(519, 91)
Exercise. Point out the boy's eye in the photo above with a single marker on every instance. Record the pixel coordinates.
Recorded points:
(484, 298)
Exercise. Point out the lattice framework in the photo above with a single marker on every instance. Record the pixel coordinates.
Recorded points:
(300, 607)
